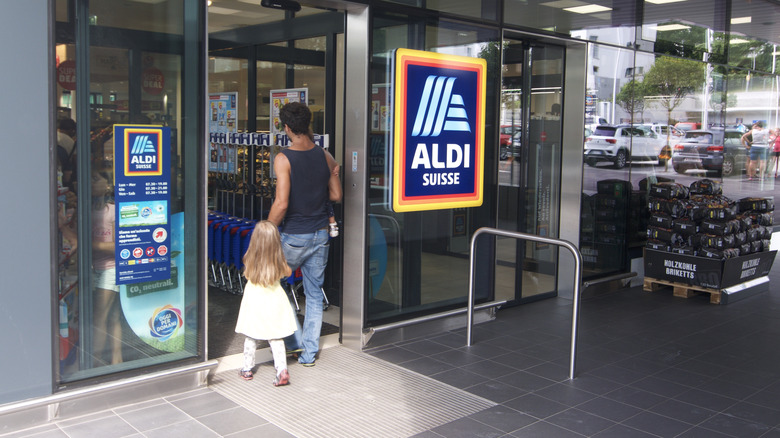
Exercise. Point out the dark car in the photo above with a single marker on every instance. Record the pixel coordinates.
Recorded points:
(716, 150)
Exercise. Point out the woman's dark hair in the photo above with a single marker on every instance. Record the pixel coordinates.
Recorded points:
(296, 116)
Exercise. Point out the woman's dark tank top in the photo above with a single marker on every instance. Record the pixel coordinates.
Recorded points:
(309, 176)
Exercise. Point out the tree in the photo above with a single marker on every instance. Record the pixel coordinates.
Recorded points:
(672, 80)
(632, 98)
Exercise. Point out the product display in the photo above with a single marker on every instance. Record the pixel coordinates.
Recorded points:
(699, 220)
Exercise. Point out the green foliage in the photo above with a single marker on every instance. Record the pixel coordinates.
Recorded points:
(671, 80)
(631, 97)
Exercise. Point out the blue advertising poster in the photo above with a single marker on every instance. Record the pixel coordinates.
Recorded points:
(141, 184)
(156, 310)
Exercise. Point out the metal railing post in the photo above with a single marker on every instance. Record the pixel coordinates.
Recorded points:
(577, 283)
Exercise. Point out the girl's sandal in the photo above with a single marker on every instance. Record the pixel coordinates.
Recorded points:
(246, 375)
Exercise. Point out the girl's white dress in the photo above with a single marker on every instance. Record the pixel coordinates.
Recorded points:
(265, 313)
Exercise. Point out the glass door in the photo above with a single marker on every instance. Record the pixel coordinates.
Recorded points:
(529, 168)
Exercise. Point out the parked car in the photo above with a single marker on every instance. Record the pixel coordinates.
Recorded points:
(715, 150)
(505, 133)
(619, 144)
(687, 126)
(505, 136)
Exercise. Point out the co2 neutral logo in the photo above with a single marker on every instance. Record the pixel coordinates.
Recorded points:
(438, 131)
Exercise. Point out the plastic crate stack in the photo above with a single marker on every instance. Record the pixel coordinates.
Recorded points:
(700, 221)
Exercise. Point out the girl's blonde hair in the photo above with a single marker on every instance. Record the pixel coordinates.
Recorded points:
(264, 261)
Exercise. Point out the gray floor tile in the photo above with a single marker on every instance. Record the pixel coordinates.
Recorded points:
(112, 426)
(755, 414)
(265, 431)
(621, 431)
(617, 374)
(458, 357)
(232, 421)
(700, 432)
(397, 355)
(152, 417)
(204, 404)
(765, 398)
(685, 412)
(426, 366)
(593, 384)
(660, 386)
(556, 371)
(635, 397)
(728, 388)
(496, 391)
(579, 421)
(735, 426)
(468, 428)
(525, 381)
(609, 409)
(517, 360)
(425, 347)
(536, 406)
(187, 429)
(565, 394)
(503, 418)
(45, 431)
(459, 378)
(489, 368)
(656, 424)
(543, 429)
(706, 400)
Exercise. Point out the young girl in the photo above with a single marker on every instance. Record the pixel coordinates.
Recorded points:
(265, 311)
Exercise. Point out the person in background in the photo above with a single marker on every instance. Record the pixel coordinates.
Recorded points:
(774, 142)
(756, 141)
(265, 311)
(306, 179)
(66, 148)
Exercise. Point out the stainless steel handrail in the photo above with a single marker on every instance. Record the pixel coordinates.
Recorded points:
(577, 282)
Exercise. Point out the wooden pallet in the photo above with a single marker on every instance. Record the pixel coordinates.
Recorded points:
(681, 289)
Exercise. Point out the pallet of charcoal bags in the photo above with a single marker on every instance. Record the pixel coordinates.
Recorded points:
(702, 241)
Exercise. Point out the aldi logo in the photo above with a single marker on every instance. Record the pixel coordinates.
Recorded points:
(438, 131)
(143, 151)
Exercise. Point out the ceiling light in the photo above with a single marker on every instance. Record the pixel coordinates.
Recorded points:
(587, 9)
(663, 2)
(741, 20)
(668, 27)
(208, 3)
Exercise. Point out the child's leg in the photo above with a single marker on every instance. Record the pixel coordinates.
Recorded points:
(250, 346)
(280, 362)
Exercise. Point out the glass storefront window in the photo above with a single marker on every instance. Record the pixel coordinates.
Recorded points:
(687, 92)
(609, 24)
(125, 301)
(418, 261)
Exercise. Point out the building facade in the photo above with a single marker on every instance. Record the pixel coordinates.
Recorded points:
(133, 158)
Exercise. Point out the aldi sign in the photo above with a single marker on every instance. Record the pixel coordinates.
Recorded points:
(438, 131)
(142, 203)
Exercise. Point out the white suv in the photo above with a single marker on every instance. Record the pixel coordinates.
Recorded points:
(619, 144)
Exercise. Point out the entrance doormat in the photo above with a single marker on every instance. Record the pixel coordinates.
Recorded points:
(349, 394)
